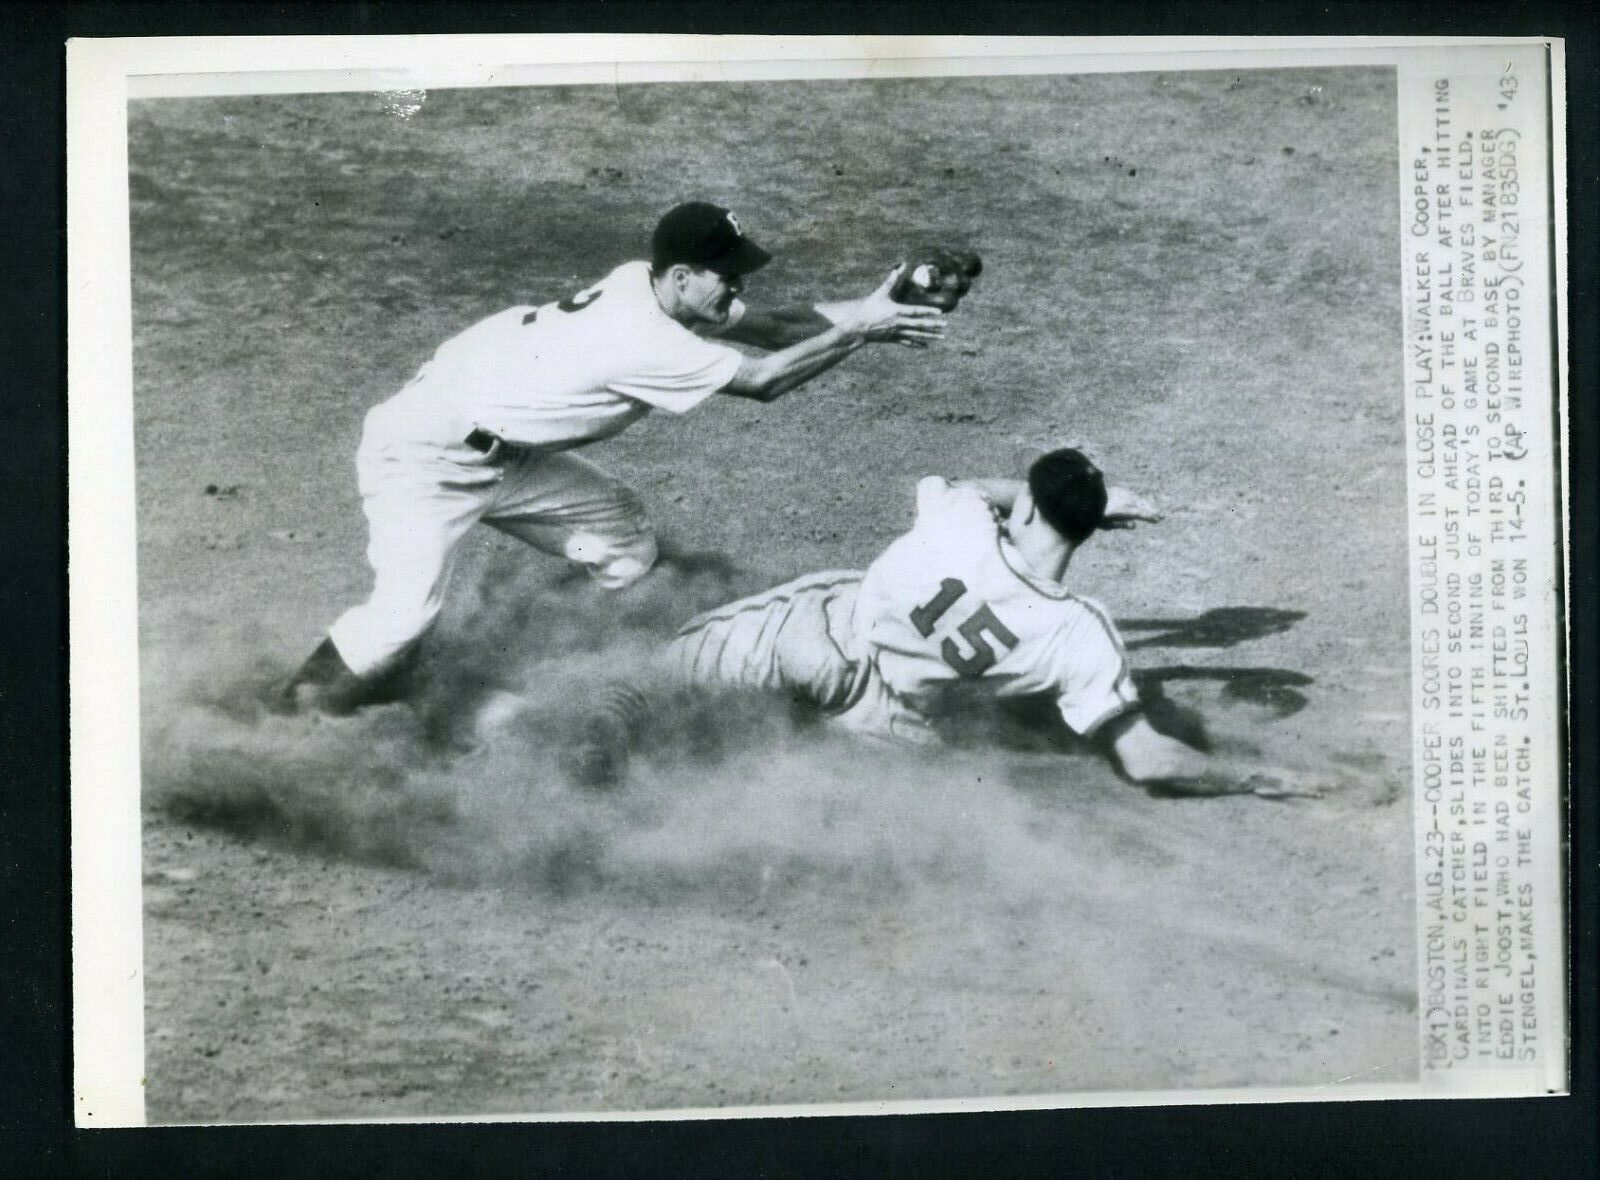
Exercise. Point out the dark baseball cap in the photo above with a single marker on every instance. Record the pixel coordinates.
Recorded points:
(703, 234)
(1070, 492)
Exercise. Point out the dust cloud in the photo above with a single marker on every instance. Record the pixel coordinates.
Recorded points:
(465, 779)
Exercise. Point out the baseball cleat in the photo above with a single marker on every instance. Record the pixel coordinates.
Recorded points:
(598, 762)
(324, 684)
(599, 759)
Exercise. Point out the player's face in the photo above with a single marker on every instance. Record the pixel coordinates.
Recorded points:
(707, 296)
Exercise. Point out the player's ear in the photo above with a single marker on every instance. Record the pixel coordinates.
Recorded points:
(1026, 506)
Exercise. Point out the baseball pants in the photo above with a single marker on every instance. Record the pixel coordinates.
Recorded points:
(796, 639)
(420, 500)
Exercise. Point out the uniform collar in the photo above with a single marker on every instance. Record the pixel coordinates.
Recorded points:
(1018, 565)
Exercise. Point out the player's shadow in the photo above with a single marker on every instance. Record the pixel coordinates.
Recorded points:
(1223, 626)
(1275, 689)
(1036, 724)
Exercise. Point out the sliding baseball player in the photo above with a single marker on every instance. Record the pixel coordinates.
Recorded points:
(974, 595)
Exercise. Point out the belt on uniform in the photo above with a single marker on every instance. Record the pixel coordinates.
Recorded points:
(483, 442)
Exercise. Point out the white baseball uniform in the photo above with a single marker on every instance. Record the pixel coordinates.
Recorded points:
(543, 380)
(951, 601)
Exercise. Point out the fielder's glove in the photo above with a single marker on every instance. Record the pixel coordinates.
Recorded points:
(936, 278)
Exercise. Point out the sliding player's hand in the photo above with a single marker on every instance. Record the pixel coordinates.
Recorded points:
(1124, 509)
(1282, 784)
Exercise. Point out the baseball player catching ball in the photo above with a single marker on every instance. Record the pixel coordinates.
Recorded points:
(487, 428)
(973, 594)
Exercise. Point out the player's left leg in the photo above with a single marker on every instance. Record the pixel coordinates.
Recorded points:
(564, 505)
(789, 641)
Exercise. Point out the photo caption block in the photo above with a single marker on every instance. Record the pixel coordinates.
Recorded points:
(1483, 488)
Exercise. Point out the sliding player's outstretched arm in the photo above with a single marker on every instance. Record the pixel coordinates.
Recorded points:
(1125, 508)
(1164, 765)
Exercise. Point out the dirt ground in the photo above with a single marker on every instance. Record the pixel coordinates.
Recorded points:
(409, 913)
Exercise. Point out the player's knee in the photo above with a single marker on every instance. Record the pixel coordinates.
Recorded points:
(628, 566)
(614, 563)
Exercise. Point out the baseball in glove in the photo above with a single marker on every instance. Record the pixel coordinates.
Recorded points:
(937, 278)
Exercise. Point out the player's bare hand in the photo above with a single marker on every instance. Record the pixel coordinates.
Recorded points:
(1263, 784)
(1124, 509)
(880, 318)
(1282, 784)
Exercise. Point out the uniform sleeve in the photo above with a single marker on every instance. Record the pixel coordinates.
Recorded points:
(678, 370)
(940, 504)
(1095, 683)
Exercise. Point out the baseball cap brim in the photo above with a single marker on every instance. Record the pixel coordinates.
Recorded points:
(745, 257)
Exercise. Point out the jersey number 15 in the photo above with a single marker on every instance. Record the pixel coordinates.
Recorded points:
(981, 621)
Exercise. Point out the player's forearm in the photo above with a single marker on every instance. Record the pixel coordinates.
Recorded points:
(837, 311)
(1156, 761)
(1163, 765)
(770, 377)
(877, 317)
(1123, 507)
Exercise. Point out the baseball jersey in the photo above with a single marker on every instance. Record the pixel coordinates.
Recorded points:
(565, 373)
(953, 601)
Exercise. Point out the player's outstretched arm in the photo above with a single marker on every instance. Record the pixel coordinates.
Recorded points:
(1124, 509)
(1166, 766)
(875, 318)
(785, 327)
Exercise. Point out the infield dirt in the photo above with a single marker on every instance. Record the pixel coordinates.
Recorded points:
(1193, 275)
